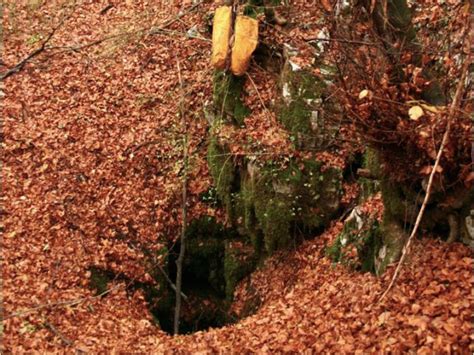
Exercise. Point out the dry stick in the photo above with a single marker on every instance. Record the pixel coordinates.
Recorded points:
(21, 64)
(172, 285)
(258, 92)
(56, 332)
(182, 250)
(452, 110)
(177, 17)
(78, 301)
(74, 302)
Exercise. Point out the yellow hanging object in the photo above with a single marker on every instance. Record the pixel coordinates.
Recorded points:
(245, 42)
(221, 36)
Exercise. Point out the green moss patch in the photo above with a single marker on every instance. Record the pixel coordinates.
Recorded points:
(222, 171)
(303, 107)
(301, 99)
(239, 262)
(227, 91)
(278, 200)
(366, 241)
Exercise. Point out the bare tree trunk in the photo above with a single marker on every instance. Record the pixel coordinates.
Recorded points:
(179, 262)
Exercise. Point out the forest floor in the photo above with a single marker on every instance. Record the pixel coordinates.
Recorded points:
(90, 169)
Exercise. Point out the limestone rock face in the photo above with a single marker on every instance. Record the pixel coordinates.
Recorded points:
(277, 200)
(303, 109)
(450, 211)
(467, 232)
(271, 202)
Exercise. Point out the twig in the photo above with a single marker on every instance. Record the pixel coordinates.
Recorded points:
(341, 40)
(56, 332)
(172, 285)
(74, 302)
(140, 146)
(105, 9)
(156, 30)
(177, 17)
(21, 64)
(182, 250)
(258, 92)
(452, 110)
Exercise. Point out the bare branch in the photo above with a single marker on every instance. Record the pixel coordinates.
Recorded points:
(182, 251)
(21, 64)
(452, 111)
(56, 332)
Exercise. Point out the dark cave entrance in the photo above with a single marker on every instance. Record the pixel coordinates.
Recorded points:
(208, 281)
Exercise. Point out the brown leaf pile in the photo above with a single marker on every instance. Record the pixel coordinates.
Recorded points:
(91, 169)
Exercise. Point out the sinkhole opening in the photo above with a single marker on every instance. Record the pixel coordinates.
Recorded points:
(214, 264)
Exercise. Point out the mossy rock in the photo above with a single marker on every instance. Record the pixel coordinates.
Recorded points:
(301, 100)
(372, 162)
(239, 262)
(320, 194)
(222, 171)
(393, 239)
(467, 227)
(274, 217)
(302, 109)
(227, 91)
(363, 234)
(266, 213)
(368, 188)
(396, 204)
(268, 206)
(276, 198)
(315, 193)
(254, 8)
(445, 211)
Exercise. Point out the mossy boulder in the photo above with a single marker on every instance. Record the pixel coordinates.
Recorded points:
(239, 261)
(275, 198)
(254, 8)
(223, 173)
(369, 185)
(228, 104)
(274, 217)
(393, 237)
(445, 212)
(361, 233)
(467, 227)
(272, 204)
(303, 108)
(267, 201)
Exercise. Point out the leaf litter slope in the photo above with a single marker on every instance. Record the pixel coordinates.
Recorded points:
(90, 167)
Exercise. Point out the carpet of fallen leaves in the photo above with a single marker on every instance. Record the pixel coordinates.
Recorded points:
(90, 166)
